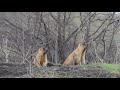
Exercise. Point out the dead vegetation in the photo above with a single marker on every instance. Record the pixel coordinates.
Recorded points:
(83, 71)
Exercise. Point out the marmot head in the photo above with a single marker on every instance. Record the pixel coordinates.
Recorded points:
(84, 45)
(43, 50)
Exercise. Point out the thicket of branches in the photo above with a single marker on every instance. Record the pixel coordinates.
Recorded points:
(22, 33)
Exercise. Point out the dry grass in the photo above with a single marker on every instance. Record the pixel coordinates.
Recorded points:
(82, 71)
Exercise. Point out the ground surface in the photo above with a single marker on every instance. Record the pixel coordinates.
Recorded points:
(83, 71)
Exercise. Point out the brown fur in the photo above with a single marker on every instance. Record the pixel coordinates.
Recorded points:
(41, 58)
(77, 56)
